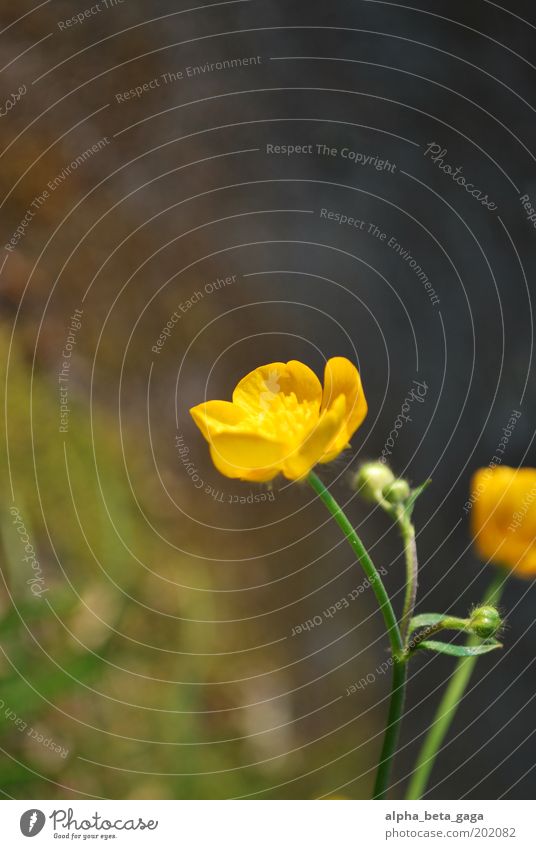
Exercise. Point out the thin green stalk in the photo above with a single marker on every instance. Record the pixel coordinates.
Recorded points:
(448, 623)
(397, 645)
(447, 707)
(400, 667)
(407, 531)
(394, 719)
(368, 566)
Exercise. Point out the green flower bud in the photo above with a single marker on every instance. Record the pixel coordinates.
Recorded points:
(396, 492)
(485, 621)
(371, 479)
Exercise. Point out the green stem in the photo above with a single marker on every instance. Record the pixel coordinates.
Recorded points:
(394, 719)
(368, 566)
(397, 645)
(448, 623)
(447, 707)
(407, 531)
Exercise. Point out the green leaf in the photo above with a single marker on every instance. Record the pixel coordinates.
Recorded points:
(415, 493)
(425, 619)
(459, 651)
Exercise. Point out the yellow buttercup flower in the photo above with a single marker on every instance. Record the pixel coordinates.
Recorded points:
(504, 517)
(281, 420)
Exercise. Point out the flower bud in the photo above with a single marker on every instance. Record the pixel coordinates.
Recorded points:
(396, 492)
(485, 621)
(371, 479)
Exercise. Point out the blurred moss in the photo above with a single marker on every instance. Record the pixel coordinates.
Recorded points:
(96, 660)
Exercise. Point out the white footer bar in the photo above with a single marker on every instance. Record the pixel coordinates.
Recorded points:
(268, 824)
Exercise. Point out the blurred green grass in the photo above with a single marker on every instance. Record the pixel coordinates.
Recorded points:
(110, 664)
(47, 674)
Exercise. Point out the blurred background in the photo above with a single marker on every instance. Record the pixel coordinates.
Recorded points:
(188, 193)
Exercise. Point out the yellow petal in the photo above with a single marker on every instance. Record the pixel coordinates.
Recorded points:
(527, 565)
(253, 475)
(303, 382)
(308, 454)
(339, 443)
(216, 416)
(342, 378)
(503, 517)
(246, 455)
(257, 389)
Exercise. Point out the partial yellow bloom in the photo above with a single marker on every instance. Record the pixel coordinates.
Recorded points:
(281, 420)
(504, 517)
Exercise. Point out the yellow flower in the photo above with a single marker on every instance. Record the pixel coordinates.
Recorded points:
(504, 517)
(281, 421)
